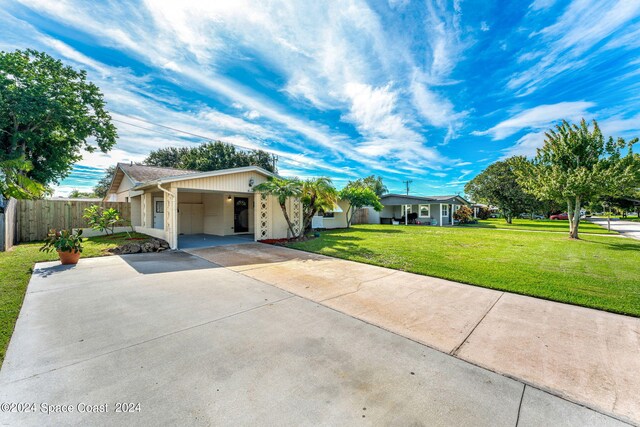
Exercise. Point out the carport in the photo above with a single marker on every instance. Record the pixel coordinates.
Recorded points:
(197, 241)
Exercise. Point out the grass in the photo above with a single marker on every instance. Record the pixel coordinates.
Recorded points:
(597, 271)
(540, 225)
(16, 267)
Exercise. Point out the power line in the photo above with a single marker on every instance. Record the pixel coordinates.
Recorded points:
(275, 156)
(407, 182)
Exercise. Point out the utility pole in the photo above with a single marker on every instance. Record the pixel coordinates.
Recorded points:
(407, 182)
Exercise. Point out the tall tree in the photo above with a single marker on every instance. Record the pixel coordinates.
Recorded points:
(210, 156)
(577, 165)
(359, 194)
(376, 184)
(283, 189)
(498, 185)
(49, 113)
(170, 157)
(101, 188)
(318, 194)
(14, 182)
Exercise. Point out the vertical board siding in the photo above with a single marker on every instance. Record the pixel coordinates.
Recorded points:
(9, 233)
(36, 217)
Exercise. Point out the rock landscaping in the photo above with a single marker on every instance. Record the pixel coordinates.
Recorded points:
(151, 245)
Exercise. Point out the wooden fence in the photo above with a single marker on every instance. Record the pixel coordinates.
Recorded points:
(361, 216)
(8, 219)
(35, 217)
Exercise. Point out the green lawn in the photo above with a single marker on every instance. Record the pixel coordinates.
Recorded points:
(597, 271)
(540, 225)
(16, 267)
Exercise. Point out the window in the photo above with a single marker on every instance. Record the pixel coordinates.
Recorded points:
(445, 210)
(424, 211)
(159, 206)
(328, 214)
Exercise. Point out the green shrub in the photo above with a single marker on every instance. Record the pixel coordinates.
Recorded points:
(483, 213)
(101, 219)
(464, 215)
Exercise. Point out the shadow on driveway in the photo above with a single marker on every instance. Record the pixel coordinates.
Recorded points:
(166, 262)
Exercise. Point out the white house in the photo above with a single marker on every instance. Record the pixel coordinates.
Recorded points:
(170, 203)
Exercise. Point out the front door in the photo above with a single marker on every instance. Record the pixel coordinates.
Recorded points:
(241, 214)
(158, 213)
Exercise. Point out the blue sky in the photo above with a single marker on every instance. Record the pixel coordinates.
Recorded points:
(429, 91)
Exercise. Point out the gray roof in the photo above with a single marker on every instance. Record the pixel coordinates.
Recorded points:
(401, 199)
(142, 173)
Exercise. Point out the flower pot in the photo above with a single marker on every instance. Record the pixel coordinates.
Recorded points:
(67, 258)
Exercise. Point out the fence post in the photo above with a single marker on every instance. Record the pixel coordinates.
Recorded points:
(3, 227)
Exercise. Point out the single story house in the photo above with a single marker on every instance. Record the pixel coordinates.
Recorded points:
(434, 210)
(168, 203)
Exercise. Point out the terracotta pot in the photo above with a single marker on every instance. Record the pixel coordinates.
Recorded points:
(67, 258)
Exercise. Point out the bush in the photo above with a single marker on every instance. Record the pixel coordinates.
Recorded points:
(464, 215)
(101, 219)
(483, 213)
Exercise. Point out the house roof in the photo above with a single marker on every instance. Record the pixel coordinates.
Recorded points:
(138, 173)
(141, 173)
(197, 175)
(401, 199)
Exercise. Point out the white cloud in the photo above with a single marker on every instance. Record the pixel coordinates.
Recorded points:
(542, 116)
(526, 145)
(484, 26)
(562, 45)
(541, 4)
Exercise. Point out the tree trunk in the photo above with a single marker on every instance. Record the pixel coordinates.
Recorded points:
(286, 217)
(349, 216)
(575, 220)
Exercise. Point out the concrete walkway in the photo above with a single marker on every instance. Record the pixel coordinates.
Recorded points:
(197, 344)
(587, 356)
(625, 228)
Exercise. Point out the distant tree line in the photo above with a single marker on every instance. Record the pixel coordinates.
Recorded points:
(210, 156)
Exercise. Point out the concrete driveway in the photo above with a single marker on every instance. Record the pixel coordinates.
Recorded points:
(587, 356)
(198, 344)
(626, 228)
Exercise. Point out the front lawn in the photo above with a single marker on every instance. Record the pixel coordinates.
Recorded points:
(540, 225)
(597, 271)
(16, 267)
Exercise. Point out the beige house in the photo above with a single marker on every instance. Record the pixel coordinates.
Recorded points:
(183, 206)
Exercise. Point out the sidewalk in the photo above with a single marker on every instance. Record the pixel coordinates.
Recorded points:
(625, 228)
(583, 355)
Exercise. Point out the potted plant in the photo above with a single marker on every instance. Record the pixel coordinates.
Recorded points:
(67, 242)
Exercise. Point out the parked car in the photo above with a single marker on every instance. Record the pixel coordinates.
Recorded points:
(529, 216)
(562, 216)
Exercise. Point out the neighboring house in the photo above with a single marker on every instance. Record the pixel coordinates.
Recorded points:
(436, 210)
(475, 207)
(337, 218)
(167, 203)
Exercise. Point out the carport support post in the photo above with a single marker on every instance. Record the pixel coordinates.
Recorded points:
(406, 214)
(440, 214)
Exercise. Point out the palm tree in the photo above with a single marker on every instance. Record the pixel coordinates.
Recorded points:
(14, 183)
(318, 194)
(282, 189)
